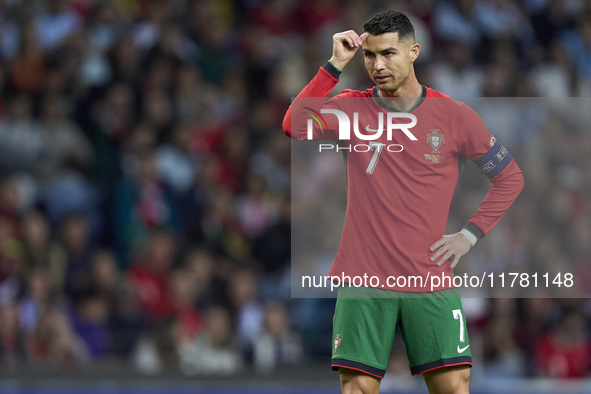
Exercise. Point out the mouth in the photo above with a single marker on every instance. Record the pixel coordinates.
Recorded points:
(382, 78)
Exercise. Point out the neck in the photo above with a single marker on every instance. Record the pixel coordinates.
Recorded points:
(405, 96)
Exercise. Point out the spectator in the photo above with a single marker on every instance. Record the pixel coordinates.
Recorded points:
(550, 78)
(189, 320)
(63, 138)
(176, 162)
(222, 230)
(42, 251)
(565, 352)
(29, 64)
(143, 203)
(249, 313)
(277, 345)
(257, 209)
(9, 207)
(114, 115)
(157, 108)
(209, 288)
(35, 301)
(150, 276)
(211, 352)
(21, 138)
(75, 235)
(503, 356)
(125, 60)
(273, 247)
(11, 340)
(578, 44)
(456, 20)
(106, 277)
(140, 141)
(126, 323)
(89, 319)
(55, 343)
(458, 75)
(56, 24)
(501, 19)
(9, 38)
(105, 25)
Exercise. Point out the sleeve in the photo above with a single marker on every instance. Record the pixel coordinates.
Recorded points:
(305, 118)
(495, 161)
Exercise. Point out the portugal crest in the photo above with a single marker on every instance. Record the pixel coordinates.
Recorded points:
(435, 140)
(337, 343)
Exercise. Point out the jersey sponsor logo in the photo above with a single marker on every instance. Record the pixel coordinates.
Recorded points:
(435, 140)
(460, 350)
(337, 343)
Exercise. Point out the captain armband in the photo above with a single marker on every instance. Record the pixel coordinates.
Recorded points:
(494, 161)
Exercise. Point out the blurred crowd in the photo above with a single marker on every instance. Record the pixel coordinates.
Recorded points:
(145, 181)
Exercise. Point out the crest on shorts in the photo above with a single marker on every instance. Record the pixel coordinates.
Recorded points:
(435, 140)
(337, 343)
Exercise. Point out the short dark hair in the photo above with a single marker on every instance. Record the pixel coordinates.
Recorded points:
(390, 22)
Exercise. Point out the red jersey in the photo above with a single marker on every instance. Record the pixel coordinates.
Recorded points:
(397, 205)
(151, 288)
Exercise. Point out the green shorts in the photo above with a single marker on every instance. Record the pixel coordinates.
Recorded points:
(432, 326)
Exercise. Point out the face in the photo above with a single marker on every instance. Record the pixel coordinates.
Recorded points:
(389, 61)
(75, 232)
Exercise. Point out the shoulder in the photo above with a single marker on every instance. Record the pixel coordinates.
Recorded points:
(434, 93)
(338, 100)
(356, 93)
(447, 102)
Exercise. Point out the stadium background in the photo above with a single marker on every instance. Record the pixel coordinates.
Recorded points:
(144, 198)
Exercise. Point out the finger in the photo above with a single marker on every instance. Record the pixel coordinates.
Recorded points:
(355, 39)
(363, 37)
(345, 39)
(455, 260)
(445, 257)
(439, 253)
(437, 244)
(359, 39)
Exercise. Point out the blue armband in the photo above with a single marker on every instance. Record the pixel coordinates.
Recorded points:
(494, 161)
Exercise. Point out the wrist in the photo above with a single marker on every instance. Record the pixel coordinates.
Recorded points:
(469, 236)
(337, 64)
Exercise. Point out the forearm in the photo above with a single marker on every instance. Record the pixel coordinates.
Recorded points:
(505, 189)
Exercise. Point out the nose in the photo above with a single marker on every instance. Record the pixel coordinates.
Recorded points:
(379, 63)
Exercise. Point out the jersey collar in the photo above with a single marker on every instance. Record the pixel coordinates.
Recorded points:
(376, 94)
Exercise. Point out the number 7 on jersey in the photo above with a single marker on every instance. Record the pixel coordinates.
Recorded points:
(377, 148)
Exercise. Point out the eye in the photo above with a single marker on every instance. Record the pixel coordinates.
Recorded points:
(369, 55)
(389, 53)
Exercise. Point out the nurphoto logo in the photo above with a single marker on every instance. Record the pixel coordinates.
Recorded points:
(345, 124)
(344, 132)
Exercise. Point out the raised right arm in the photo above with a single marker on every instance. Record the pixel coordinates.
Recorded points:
(313, 97)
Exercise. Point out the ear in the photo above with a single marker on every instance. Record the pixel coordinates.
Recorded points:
(415, 50)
